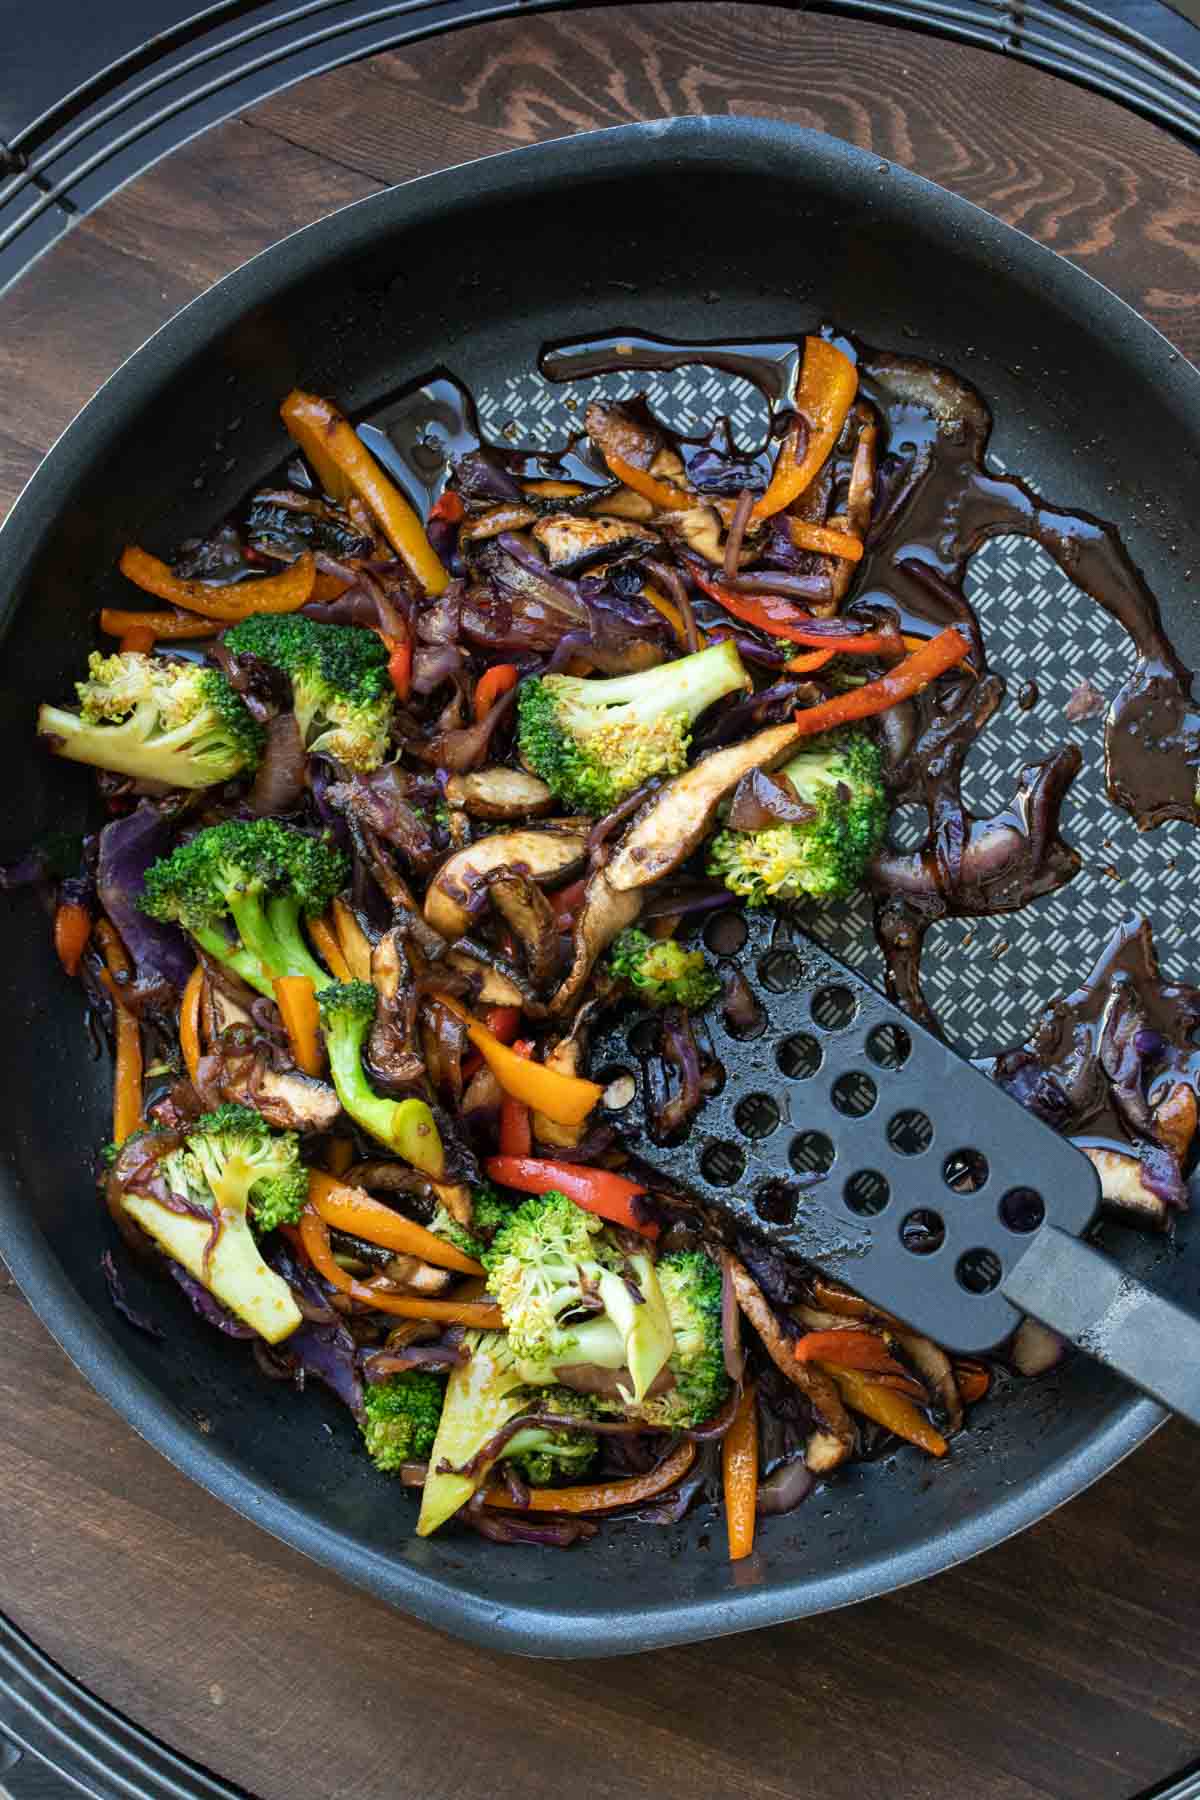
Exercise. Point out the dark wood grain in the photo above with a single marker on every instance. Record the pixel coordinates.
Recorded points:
(1063, 1666)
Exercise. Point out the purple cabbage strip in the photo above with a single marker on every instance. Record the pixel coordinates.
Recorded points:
(127, 848)
(121, 1302)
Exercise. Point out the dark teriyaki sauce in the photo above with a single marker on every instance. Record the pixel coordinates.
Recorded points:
(935, 504)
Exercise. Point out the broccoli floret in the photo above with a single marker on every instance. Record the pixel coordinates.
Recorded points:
(546, 1453)
(571, 1293)
(230, 1170)
(482, 1395)
(406, 1126)
(488, 1213)
(341, 693)
(157, 721)
(593, 741)
(258, 875)
(661, 972)
(824, 859)
(401, 1417)
(691, 1285)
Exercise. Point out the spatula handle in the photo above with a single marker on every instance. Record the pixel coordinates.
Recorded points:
(1115, 1318)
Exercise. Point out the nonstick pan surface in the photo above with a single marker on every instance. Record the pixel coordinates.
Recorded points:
(695, 229)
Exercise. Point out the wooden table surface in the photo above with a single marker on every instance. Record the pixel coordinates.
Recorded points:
(1064, 1664)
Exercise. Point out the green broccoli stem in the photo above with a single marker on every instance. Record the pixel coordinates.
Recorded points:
(405, 1126)
(215, 944)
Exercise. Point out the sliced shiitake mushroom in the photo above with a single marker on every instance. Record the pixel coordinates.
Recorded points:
(544, 855)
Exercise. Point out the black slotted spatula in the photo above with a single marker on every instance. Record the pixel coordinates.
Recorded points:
(854, 1138)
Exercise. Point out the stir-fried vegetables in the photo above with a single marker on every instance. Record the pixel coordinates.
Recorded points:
(406, 849)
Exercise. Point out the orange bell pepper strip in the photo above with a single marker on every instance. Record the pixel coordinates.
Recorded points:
(116, 622)
(296, 998)
(886, 1407)
(973, 1381)
(72, 933)
(669, 611)
(567, 1099)
(327, 588)
(344, 466)
(662, 494)
(339, 1155)
(314, 1239)
(598, 1191)
(189, 1022)
(784, 619)
(850, 1350)
(328, 949)
(350, 1209)
(602, 1496)
(283, 593)
(494, 682)
(739, 1475)
(824, 395)
(824, 540)
(127, 1074)
(809, 662)
(138, 638)
(400, 670)
(901, 683)
(448, 508)
(516, 1121)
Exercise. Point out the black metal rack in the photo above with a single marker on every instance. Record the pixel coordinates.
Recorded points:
(89, 103)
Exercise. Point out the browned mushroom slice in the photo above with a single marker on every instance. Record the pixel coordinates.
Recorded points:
(617, 431)
(675, 819)
(1123, 1190)
(697, 528)
(456, 889)
(604, 914)
(572, 543)
(834, 1439)
(509, 517)
(495, 987)
(393, 1056)
(499, 794)
(533, 922)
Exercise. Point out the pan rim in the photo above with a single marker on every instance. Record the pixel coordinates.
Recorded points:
(552, 1630)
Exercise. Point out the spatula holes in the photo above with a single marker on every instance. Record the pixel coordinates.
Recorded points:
(811, 1153)
(775, 1202)
(722, 1164)
(1022, 1209)
(854, 1094)
(978, 1271)
(756, 1116)
(833, 1008)
(780, 971)
(799, 1056)
(889, 1046)
(725, 934)
(645, 1037)
(867, 1192)
(910, 1132)
(923, 1231)
(966, 1171)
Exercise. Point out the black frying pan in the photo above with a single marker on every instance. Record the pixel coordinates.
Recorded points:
(696, 229)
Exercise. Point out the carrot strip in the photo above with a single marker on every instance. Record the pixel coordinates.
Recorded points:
(497, 680)
(810, 662)
(567, 1099)
(344, 466)
(327, 588)
(189, 1022)
(659, 493)
(314, 1238)
(603, 1496)
(350, 1209)
(669, 611)
(138, 638)
(907, 678)
(824, 540)
(115, 622)
(739, 1473)
(239, 600)
(824, 395)
(400, 669)
(328, 949)
(296, 998)
(127, 1073)
(887, 1408)
(72, 932)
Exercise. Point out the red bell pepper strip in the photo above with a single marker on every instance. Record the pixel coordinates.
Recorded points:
(516, 1125)
(901, 683)
(449, 508)
(503, 1022)
(784, 619)
(824, 395)
(598, 1191)
(850, 1350)
(400, 669)
(491, 684)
